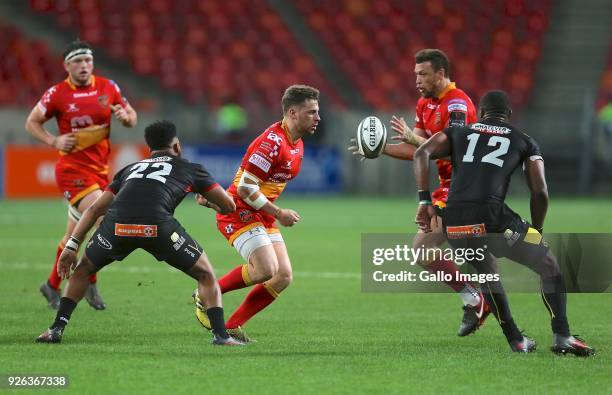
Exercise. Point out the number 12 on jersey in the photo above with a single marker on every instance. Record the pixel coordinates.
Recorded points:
(491, 157)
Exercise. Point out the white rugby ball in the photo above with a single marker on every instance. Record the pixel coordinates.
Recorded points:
(371, 137)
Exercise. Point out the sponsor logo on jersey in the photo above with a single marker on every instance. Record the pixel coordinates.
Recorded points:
(274, 137)
(72, 107)
(158, 159)
(103, 100)
(84, 94)
(245, 215)
(294, 151)
(457, 107)
(260, 162)
(102, 242)
(135, 230)
(465, 231)
(287, 165)
(81, 121)
(431, 106)
(178, 242)
(281, 176)
(190, 253)
(490, 129)
(511, 236)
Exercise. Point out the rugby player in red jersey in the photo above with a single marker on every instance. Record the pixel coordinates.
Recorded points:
(441, 104)
(82, 105)
(272, 159)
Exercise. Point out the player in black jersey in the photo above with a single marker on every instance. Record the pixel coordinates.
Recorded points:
(138, 208)
(484, 155)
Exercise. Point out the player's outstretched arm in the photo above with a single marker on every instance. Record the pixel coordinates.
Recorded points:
(404, 150)
(217, 199)
(534, 169)
(34, 126)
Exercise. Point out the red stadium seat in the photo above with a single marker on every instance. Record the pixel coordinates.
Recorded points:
(166, 38)
(373, 42)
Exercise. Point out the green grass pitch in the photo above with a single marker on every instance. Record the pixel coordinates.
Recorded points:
(323, 335)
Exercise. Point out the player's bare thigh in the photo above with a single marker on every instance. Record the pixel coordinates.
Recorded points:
(283, 277)
(82, 205)
(263, 264)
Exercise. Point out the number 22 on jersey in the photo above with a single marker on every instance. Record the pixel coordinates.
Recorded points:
(491, 157)
(138, 169)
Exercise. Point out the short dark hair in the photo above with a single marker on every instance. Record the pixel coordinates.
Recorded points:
(438, 59)
(496, 101)
(159, 135)
(298, 94)
(76, 44)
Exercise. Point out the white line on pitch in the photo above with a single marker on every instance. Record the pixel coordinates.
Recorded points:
(163, 268)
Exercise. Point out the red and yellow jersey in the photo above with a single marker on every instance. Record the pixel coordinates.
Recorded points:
(274, 159)
(86, 111)
(452, 107)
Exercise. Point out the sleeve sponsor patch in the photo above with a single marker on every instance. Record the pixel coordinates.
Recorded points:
(114, 84)
(260, 162)
(457, 107)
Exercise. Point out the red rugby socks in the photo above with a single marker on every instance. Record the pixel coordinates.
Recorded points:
(236, 278)
(258, 299)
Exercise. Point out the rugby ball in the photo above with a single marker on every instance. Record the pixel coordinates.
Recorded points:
(371, 137)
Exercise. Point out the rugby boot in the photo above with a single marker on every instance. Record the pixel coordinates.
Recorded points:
(571, 345)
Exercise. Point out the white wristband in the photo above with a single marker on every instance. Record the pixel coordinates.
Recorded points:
(257, 203)
(72, 244)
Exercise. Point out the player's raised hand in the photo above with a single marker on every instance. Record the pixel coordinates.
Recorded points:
(119, 112)
(66, 262)
(424, 215)
(404, 133)
(65, 142)
(354, 148)
(287, 217)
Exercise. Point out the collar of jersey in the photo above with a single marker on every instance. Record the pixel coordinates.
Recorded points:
(449, 88)
(92, 83)
(285, 128)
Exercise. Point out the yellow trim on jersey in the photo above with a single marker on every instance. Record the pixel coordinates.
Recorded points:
(532, 236)
(245, 275)
(440, 204)
(272, 190)
(271, 290)
(89, 136)
(243, 230)
(84, 193)
(272, 230)
(449, 88)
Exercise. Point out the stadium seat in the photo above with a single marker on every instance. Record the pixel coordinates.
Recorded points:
(197, 48)
(487, 46)
(26, 67)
